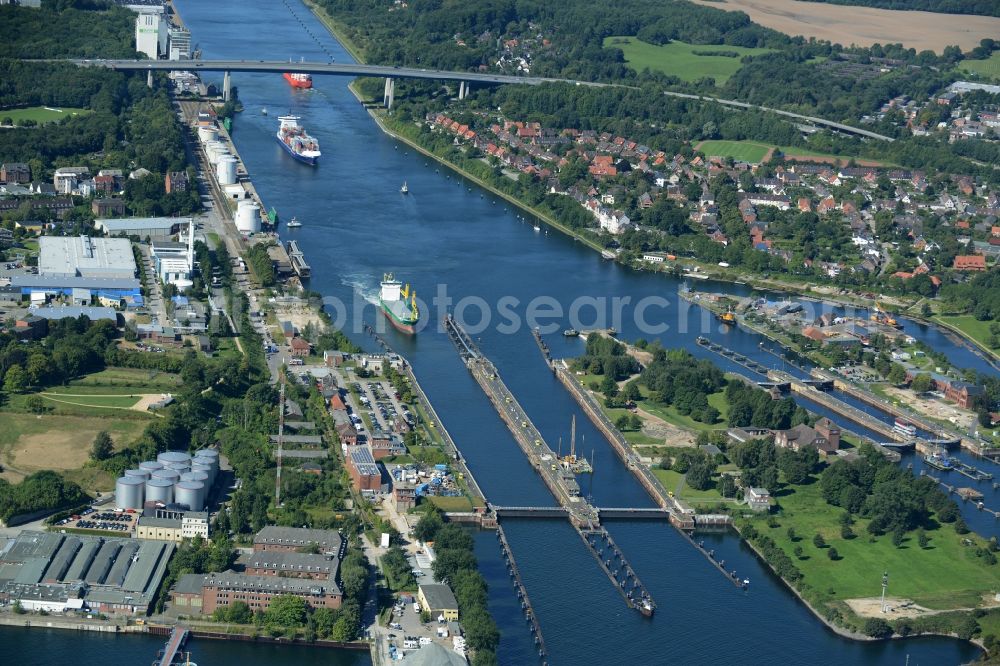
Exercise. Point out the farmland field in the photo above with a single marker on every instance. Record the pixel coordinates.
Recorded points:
(753, 152)
(989, 68)
(682, 60)
(41, 114)
(865, 26)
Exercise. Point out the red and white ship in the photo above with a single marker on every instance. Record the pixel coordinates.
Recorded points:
(299, 80)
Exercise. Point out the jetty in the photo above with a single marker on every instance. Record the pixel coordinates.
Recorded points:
(298, 260)
(735, 357)
(172, 649)
(522, 594)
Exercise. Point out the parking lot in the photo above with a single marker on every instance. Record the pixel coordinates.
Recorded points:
(109, 521)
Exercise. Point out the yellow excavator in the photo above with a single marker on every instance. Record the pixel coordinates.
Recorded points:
(727, 317)
(882, 317)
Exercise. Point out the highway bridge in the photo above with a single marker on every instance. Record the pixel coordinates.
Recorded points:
(391, 73)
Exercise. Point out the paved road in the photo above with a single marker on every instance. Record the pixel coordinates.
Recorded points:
(154, 293)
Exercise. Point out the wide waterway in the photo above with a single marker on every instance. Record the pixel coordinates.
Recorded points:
(448, 232)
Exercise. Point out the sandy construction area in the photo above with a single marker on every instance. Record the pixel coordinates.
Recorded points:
(938, 409)
(898, 608)
(864, 26)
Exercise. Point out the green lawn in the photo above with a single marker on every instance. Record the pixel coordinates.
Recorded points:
(945, 575)
(754, 152)
(141, 381)
(41, 114)
(989, 68)
(747, 151)
(674, 482)
(96, 401)
(682, 60)
(451, 503)
(970, 326)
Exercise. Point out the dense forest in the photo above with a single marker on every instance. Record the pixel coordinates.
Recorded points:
(67, 29)
(979, 7)
(41, 490)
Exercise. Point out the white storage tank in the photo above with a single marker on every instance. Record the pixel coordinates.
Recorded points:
(202, 478)
(210, 454)
(160, 490)
(151, 465)
(226, 171)
(170, 475)
(206, 468)
(248, 217)
(138, 473)
(173, 456)
(207, 134)
(190, 493)
(215, 150)
(129, 492)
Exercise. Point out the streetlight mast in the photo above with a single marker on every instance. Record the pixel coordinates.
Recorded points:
(885, 585)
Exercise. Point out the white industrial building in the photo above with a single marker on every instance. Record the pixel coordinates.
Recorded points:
(151, 33)
(180, 43)
(83, 256)
(174, 262)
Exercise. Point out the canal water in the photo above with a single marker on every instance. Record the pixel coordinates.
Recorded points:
(449, 235)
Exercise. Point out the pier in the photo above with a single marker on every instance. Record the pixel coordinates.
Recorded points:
(735, 357)
(618, 570)
(298, 260)
(522, 593)
(965, 494)
(171, 651)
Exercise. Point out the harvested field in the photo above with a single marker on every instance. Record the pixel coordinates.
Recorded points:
(865, 26)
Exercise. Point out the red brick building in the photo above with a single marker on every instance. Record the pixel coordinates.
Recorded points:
(290, 564)
(363, 470)
(292, 539)
(300, 347)
(970, 262)
(222, 589)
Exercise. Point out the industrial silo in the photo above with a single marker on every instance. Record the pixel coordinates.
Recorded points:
(138, 473)
(248, 217)
(184, 466)
(190, 493)
(170, 475)
(202, 478)
(226, 170)
(208, 134)
(151, 466)
(207, 454)
(207, 468)
(160, 490)
(129, 492)
(173, 456)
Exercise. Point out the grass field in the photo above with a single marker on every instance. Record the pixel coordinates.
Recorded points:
(674, 481)
(680, 59)
(915, 573)
(451, 503)
(141, 381)
(753, 152)
(989, 68)
(30, 442)
(970, 326)
(41, 114)
(99, 401)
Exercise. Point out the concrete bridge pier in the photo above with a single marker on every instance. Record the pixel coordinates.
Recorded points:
(149, 78)
(463, 89)
(227, 86)
(390, 92)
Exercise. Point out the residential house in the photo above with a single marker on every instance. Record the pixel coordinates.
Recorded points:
(969, 262)
(15, 172)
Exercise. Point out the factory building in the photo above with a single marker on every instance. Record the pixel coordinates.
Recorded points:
(174, 262)
(154, 228)
(40, 287)
(439, 600)
(151, 32)
(61, 572)
(172, 525)
(83, 256)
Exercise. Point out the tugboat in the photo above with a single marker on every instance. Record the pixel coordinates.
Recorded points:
(404, 189)
(293, 223)
(571, 333)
